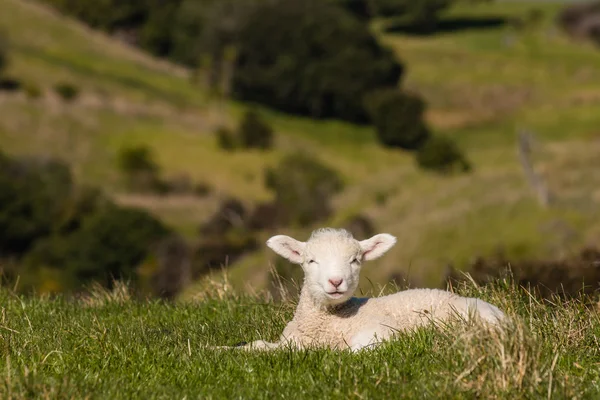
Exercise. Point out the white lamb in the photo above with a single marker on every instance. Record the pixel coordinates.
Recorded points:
(328, 316)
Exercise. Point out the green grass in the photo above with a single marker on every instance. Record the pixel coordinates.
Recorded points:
(111, 346)
(481, 87)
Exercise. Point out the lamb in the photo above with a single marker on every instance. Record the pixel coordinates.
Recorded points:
(328, 316)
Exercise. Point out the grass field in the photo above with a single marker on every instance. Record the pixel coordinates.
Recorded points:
(109, 345)
(482, 85)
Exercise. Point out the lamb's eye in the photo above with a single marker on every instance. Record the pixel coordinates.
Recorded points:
(312, 262)
(355, 261)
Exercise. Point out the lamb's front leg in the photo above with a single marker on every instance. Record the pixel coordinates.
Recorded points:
(256, 345)
(259, 345)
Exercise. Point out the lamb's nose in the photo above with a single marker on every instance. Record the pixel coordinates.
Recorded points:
(336, 282)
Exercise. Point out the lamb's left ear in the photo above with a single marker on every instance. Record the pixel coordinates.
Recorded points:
(376, 246)
(287, 247)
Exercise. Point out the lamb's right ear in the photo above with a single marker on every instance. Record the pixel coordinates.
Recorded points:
(287, 247)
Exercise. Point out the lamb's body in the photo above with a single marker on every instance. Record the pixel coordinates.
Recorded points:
(361, 322)
(327, 315)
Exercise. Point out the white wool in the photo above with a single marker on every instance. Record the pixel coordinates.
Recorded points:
(328, 316)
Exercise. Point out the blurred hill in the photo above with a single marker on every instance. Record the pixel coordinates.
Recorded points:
(488, 72)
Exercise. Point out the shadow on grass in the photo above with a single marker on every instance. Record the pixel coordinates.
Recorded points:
(448, 25)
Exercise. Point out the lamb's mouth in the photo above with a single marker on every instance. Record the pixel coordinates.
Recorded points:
(336, 294)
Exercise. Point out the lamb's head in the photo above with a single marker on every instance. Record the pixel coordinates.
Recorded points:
(331, 260)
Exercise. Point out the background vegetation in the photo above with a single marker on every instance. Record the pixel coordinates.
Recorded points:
(482, 74)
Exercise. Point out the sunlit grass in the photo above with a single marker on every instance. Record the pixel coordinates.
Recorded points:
(111, 345)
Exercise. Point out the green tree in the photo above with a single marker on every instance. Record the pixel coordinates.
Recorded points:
(255, 132)
(310, 57)
(398, 118)
(110, 244)
(33, 196)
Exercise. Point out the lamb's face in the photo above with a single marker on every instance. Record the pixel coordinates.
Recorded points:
(332, 268)
(331, 260)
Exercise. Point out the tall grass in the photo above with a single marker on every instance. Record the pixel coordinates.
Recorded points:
(113, 345)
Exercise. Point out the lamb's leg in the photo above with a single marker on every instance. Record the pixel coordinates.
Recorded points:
(369, 338)
(256, 345)
(260, 345)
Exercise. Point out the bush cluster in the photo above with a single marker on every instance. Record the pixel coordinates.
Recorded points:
(49, 223)
(399, 121)
(253, 132)
(567, 277)
(108, 246)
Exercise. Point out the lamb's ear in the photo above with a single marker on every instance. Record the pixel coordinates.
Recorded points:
(287, 247)
(376, 246)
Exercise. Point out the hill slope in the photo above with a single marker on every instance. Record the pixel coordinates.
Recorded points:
(482, 85)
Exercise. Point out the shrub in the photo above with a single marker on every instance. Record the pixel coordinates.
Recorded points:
(310, 57)
(303, 187)
(422, 13)
(566, 277)
(137, 159)
(255, 132)
(109, 245)
(32, 91)
(66, 91)
(226, 139)
(33, 196)
(359, 8)
(252, 132)
(83, 202)
(3, 51)
(202, 189)
(140, 169)
(441, 154)
(9, 84)
(398, 118)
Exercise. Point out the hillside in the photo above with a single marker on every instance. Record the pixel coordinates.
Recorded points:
(482, 85)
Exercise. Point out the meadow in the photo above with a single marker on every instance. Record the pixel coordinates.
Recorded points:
(109, 344)
(483, 83)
